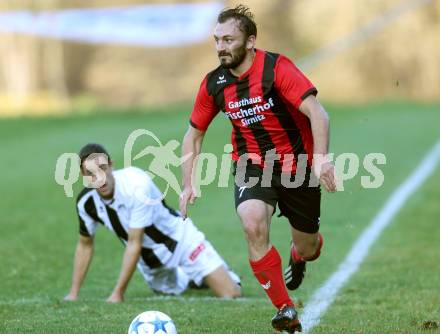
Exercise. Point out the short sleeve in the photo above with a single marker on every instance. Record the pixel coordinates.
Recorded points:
(291, 83)
(204, 109)
(87, 225)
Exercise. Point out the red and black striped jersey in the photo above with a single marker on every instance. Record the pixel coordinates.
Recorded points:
(262, 105)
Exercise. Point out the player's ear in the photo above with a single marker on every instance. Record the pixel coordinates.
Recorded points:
(81, 168)
(251, 41)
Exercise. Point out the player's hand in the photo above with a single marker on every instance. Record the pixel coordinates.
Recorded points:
(325, 170)
(188, 195)
(115, 297)
(327, 177)
(71, 297)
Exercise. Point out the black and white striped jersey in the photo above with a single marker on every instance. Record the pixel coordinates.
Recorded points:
(137, 203)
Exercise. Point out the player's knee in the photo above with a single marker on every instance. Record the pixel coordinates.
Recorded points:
(310, 250)
(254, 224)
(254, 230)
(234, 291)
(228, 289)
(307, 248)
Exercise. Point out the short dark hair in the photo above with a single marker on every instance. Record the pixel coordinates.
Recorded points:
(243, 16)
(89, 149)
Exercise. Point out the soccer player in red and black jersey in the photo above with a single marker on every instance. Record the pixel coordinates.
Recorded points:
(276, 120)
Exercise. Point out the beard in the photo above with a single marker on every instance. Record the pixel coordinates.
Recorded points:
(235, 58)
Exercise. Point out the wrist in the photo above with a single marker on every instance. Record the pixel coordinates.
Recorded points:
(186, 183)
(74, 290)
(118, 290)
(73, 293)
(321, 158)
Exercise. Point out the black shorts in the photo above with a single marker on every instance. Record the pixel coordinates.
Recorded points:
(301, 205)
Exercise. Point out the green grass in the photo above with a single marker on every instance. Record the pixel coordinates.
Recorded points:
(397, 289)
(394, 291)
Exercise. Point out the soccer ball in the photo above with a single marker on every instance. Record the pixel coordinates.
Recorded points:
(152, 322)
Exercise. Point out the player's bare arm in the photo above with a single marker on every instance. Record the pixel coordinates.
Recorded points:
(191, 147)
(320, 121)
(83, 257)
(131, 256)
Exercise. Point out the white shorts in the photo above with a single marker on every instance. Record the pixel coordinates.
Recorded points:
(193, 260)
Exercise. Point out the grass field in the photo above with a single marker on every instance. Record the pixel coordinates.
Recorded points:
(396, 289)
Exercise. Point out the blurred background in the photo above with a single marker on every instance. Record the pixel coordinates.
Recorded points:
(59, 56)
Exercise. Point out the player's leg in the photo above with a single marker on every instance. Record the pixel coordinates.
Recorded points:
(203, 264)
(223, 283)
(255, 206)
(302, 207)
(265, 261)
(255, 216)
(306, 246)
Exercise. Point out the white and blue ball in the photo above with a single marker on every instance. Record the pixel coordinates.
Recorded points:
(152, 322)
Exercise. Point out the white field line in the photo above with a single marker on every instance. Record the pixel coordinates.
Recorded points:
(362, 34)
(325, 295)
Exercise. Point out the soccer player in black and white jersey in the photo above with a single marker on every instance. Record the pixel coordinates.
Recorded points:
(169, 253)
